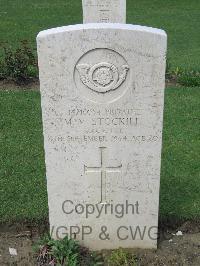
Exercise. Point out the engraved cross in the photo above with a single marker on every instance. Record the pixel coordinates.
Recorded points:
(103, 170)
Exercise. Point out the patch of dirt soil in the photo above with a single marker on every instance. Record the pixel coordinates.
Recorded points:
(10, 85)
(178, 250)
(23, 245)
(22, 238)
(183, 250)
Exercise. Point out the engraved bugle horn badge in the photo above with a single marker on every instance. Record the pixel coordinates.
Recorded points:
(102, 77)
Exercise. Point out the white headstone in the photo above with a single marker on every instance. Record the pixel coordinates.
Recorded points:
(104, 11)
(102, 91)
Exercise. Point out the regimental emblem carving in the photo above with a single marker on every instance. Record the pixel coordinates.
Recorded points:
(102, 77)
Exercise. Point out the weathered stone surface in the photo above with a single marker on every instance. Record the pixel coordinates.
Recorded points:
(104, 11)
(102, 90)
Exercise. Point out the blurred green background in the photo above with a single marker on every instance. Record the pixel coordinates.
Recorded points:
(23, 19)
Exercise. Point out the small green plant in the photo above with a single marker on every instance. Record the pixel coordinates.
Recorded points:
(121, 257)
(19, 65)
(65, 252)
(189, 78)
(183, 77)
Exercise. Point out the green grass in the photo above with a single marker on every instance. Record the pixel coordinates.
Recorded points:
(180, 177)
(22, 173)
(23, 19)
